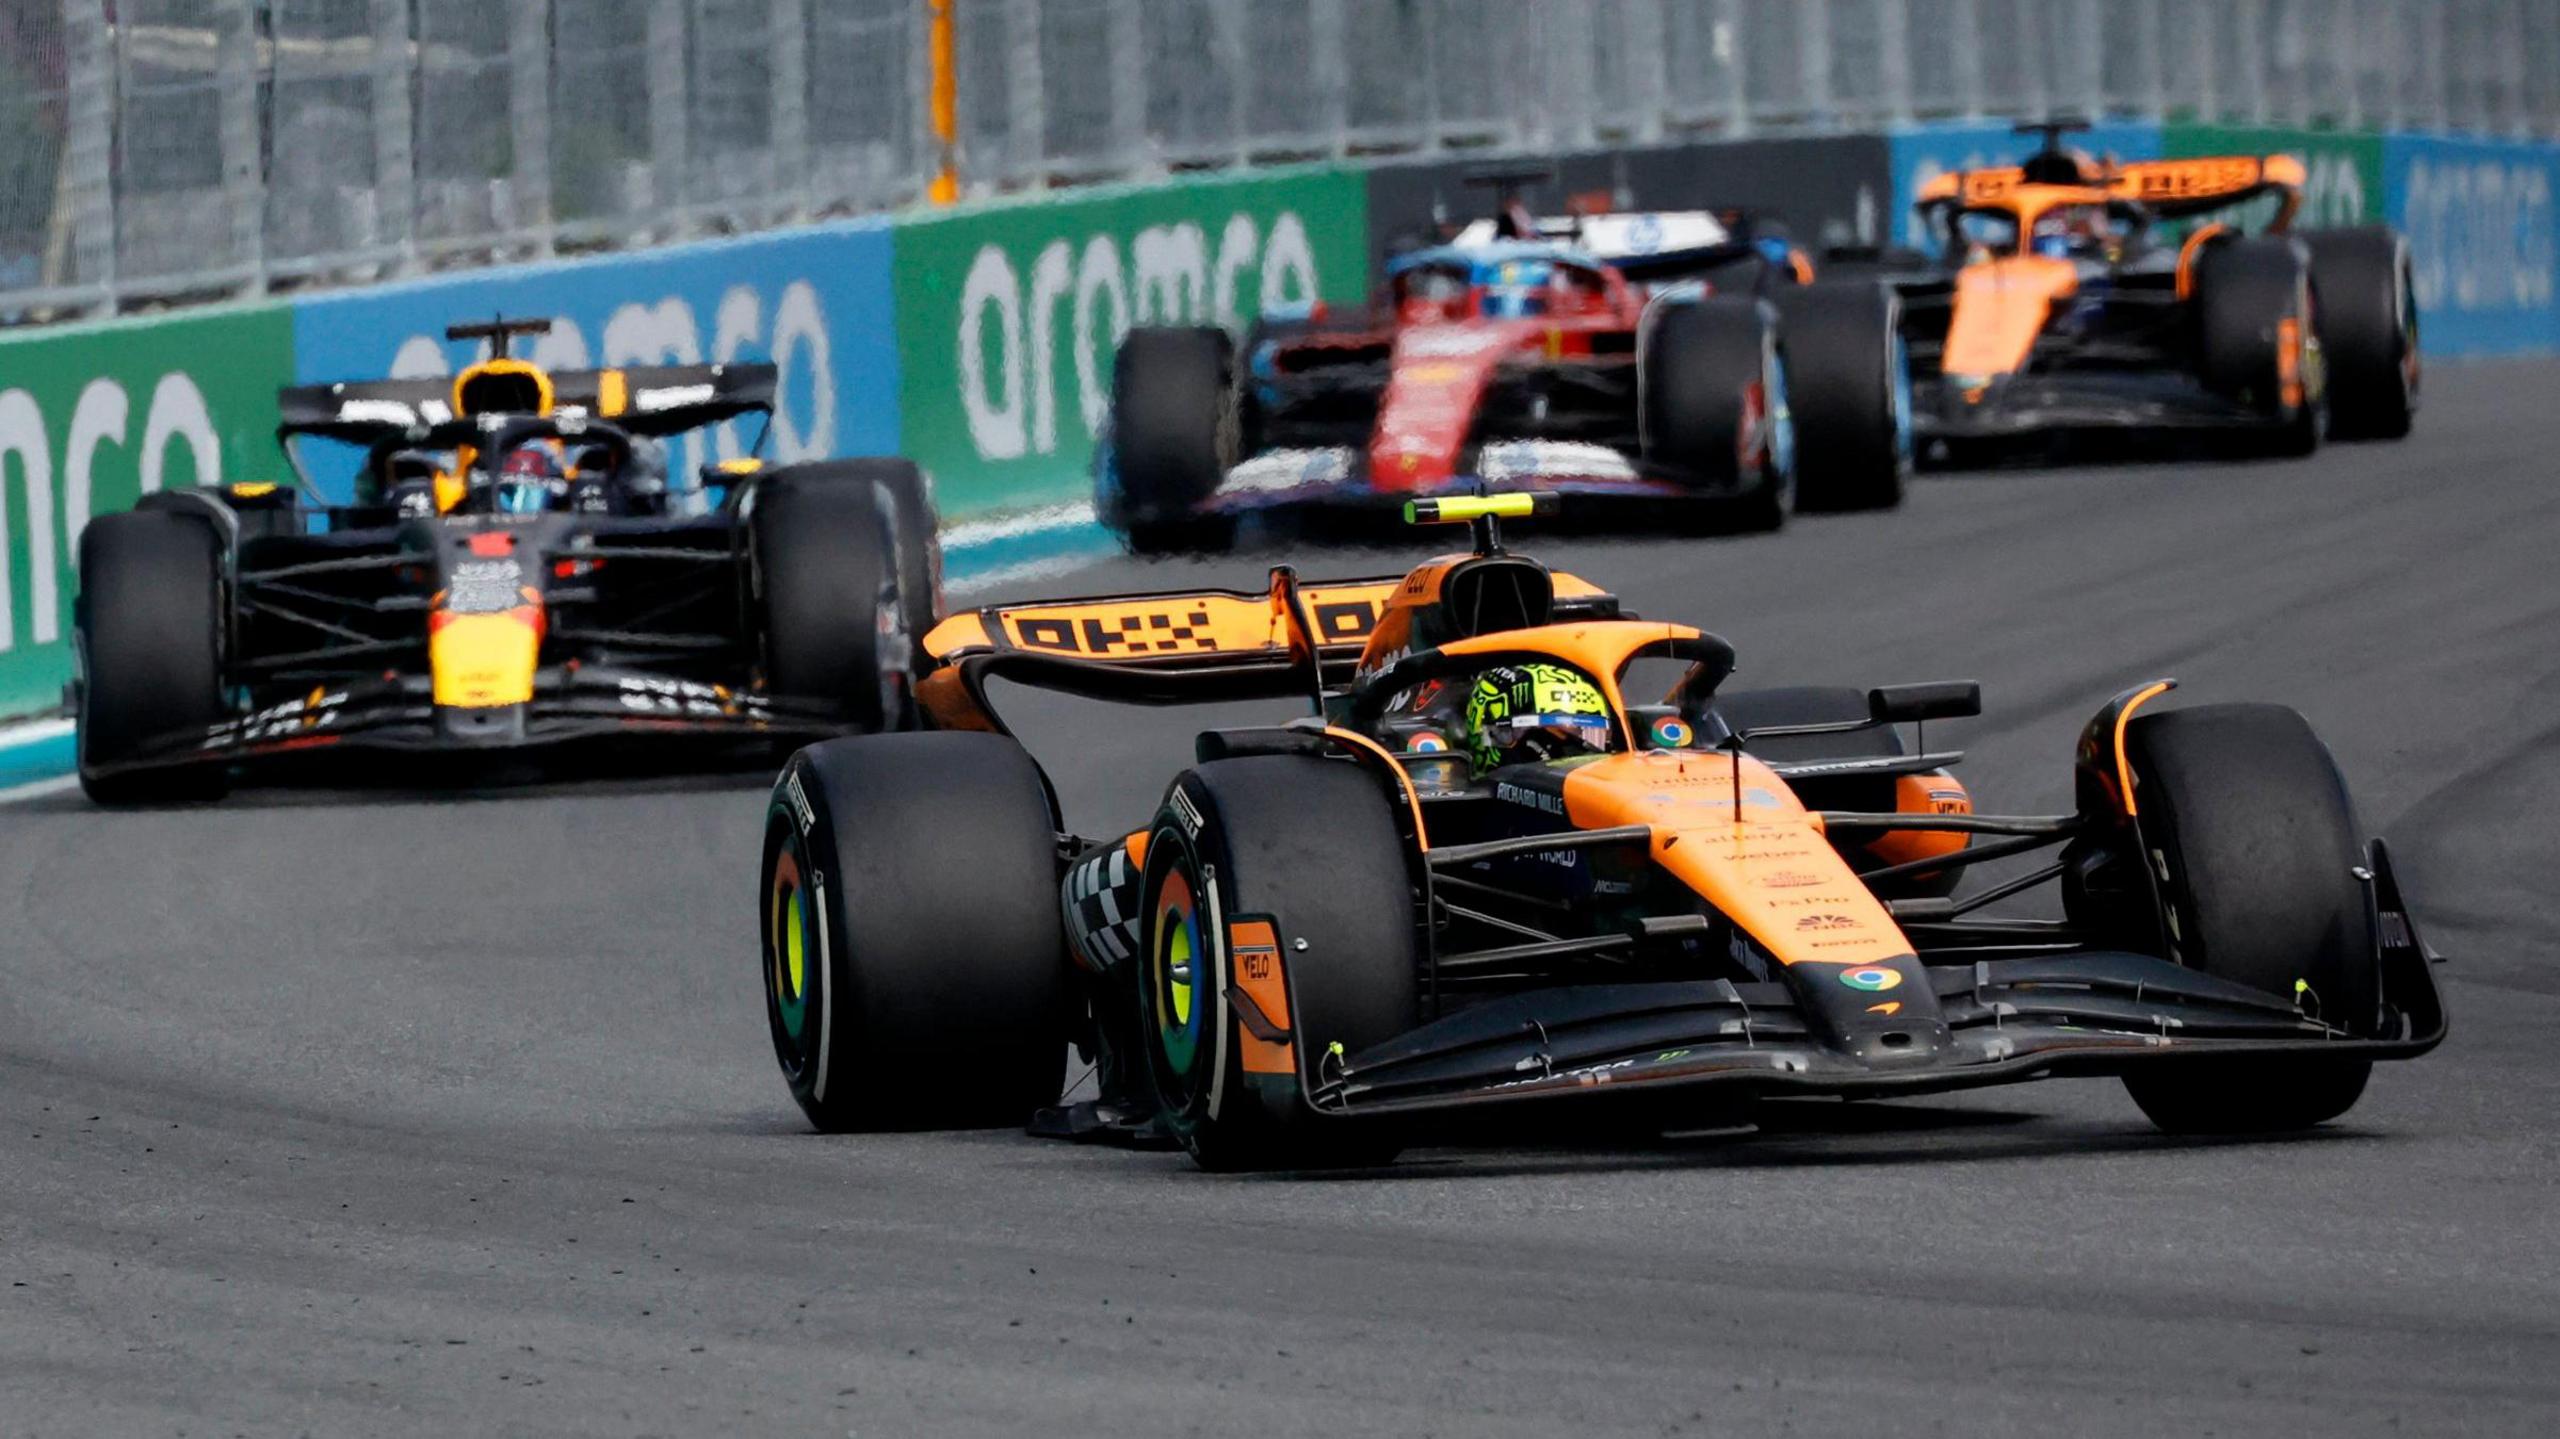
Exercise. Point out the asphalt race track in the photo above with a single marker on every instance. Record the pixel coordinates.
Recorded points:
(455, 1114)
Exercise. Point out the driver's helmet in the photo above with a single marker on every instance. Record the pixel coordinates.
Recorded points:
(1518, 714)
(1519, 288)
(2072, 231)
(529, 479)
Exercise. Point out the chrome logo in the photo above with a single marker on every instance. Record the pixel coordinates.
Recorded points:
(1874, 979)
(1672, 732)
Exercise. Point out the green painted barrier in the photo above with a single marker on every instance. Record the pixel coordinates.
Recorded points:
(93, 416)
(2344, 167)
(1009, 313)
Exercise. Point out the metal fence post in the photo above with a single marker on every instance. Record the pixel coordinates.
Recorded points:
(244, 192)
(1893, 40)
(1027, 108)
(789, 29)
(1329, 74)
(1128, 41)
(1967, 23)
(395, 176)
(529, 117)
(2431, 29)
(1729, 42)
(1813, 59)
(669, 171)
(1648, 75)
(89, 149)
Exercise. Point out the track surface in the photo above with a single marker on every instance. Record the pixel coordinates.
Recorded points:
(456, 1115)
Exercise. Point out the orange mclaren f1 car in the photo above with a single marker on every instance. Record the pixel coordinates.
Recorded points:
(2063, 305)
(1478, 872)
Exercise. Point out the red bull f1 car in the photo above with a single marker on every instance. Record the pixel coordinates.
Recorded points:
(512, 575)
(1490, 869)
(1653, 365)
(2065, 304)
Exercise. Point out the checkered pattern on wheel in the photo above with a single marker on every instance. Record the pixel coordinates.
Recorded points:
(1101, 899)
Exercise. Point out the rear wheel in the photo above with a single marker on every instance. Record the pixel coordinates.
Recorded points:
(2256, 340)
(914, 952)
(1172, 394)
(1849, 392)
(836, 632)
(2251, 838)
(1711, 406)
(2368, 330)
(150, 634)
(1309, 847)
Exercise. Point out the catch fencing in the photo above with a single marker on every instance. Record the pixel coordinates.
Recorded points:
(161, 150)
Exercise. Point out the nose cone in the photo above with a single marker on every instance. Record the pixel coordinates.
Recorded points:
(2001, 307)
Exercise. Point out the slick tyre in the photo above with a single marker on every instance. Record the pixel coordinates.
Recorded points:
(2368, 313)
(2257, 341)
(150, 625)
(1310, 848)
(2251, 837)
(827, 590)
(1172, 437)
(913, 949)
(1711, 406)
(915, 537)
(1849, 395)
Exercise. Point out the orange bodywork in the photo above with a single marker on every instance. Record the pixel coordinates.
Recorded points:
(1769, 868)
(2002, 302)
(1937, 792)
(2001, 306)
(2168, 186)
(1255, 945)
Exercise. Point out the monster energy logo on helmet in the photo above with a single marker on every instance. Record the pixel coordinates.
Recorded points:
(1522, 713)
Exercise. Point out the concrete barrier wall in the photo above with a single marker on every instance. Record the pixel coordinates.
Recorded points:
(93, 416)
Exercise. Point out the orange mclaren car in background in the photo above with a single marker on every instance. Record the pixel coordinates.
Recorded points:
(2080, 294)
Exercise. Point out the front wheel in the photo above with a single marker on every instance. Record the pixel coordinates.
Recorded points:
(150, 636)
(1173, 407)
(2257, 342)
(914, 952)
(1278, 935)
(1849, 391)
(2368, 330)
(1711, 406)
(2247, 828)
(837, 628)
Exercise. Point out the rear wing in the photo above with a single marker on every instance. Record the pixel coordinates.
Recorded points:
(2171, 189)
(653, 400)
(1174, 629)
(1646, 246)
(1174, 647)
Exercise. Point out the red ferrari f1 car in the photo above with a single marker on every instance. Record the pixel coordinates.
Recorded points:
(1654, 365)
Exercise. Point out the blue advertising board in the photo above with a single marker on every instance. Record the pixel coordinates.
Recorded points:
(2484, 238)
(815, 301)
(1921, 153)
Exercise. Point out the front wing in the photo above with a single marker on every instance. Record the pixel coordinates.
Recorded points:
(1323, 488)
(2040, 402)
(571, 706)
(1999, 1022)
